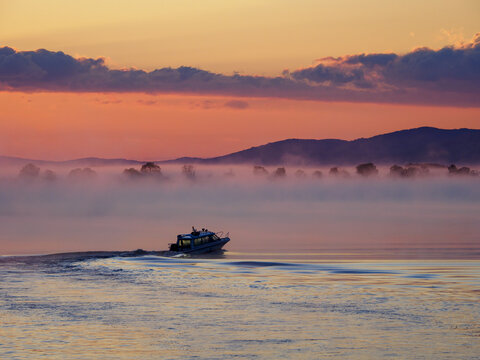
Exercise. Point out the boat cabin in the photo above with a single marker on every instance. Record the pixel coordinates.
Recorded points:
(196, 239)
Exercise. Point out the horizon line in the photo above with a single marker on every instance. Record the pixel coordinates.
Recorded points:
(221, 155)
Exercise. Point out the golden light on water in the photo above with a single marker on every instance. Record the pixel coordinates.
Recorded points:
(154, 307)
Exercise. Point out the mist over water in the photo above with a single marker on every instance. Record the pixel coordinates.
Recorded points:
(434, 216)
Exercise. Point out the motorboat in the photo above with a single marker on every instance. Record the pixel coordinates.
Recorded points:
(199, 242)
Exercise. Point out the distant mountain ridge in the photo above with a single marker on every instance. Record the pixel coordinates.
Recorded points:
(82, 162)
(423, 144)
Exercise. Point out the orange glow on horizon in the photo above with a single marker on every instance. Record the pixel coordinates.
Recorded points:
(61, 126)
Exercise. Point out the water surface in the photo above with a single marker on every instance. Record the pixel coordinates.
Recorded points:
(241, 305)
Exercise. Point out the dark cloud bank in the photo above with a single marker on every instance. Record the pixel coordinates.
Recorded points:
(448, 76)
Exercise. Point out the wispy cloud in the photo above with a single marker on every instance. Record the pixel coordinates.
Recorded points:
(147, 102)
(447, 76)
(108, 102)
(237, 104)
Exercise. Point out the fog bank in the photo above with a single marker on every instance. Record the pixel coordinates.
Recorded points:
(292, 213)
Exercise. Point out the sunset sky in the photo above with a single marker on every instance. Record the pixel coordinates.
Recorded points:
(156, 80)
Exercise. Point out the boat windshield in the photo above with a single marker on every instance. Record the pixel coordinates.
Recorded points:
(205, 239)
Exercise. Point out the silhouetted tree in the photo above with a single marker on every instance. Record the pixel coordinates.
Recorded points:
(464, 170)
(49, 175)
(259, 170)
(408, 172)
(151, 168)
(82, 174)
(452, 169)
(367, 169)
(396, 170)
(132, 173)
(29, 172)
(280, 173)
(317, 174)
(300, 174)
(188, 171)
(411, 171)
(427, 165)
(335, 171)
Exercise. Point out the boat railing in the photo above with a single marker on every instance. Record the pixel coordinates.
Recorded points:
(222, 235)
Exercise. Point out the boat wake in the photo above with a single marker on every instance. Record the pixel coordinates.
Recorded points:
(284, 305)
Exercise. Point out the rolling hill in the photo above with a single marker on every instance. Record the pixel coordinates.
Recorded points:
(424, 144)
(419, 145)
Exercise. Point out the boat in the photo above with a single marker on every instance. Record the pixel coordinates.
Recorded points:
(199, 242)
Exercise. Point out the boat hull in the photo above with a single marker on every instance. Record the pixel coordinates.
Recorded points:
(207, 248)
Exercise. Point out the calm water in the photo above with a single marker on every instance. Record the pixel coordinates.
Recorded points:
(270, 306)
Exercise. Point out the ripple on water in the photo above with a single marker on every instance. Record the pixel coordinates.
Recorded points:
(144, 307)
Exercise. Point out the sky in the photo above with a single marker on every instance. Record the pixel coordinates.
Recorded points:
(162, 79)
